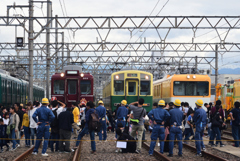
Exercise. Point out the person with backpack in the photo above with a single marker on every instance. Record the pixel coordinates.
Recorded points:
(25, 126)
(20, 113)
(65, 120)
(54, 128)
(90, 126)
(101, 111)
(235, 117)
(76, 116)
(138, 113)
(159, 117)
(217, 123)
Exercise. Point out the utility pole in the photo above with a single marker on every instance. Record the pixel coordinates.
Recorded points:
(48, 47)
(216, 69)
(56, 44)
(68, 55)
(30, 48)
(62, 49)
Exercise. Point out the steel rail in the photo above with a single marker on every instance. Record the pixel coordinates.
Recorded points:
(205, 154)
(25, 154)
(77, 153)
(156, 153)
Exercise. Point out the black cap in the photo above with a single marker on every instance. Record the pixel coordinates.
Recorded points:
(218, 102)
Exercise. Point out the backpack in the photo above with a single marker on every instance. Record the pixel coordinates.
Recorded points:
(94, 123)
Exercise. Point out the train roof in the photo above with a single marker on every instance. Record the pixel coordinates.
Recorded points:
(6, 76)
(182, 77)
(122, 71)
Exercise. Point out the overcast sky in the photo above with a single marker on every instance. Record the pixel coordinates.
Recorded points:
(135, 8)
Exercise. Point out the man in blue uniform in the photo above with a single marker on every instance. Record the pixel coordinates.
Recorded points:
(45, 117)
(158, 116)
(200, 120)
(176, 118)
(122, 113)
(101, 111)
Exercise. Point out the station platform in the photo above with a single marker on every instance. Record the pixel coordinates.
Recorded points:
(229, 148)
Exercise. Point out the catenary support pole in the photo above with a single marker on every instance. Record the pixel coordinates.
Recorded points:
(30, 48)
(48, 47)
(216, 69)
(56, 44)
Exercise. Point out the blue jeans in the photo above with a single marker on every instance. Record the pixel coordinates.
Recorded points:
(55, 137)
(188, 133)
(199, 139)
(42, 131)
(104, 129)
(175, 132)
(236, 134)
(13, 138)
(27, 135)
(157, 132)
(92, 135)
(118, 121)
(216, 131)
(32, 135)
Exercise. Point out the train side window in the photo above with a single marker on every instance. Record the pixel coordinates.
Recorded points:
(85, 87)
(145, 88)
(118, 87)
(58, 87)
(72, 86)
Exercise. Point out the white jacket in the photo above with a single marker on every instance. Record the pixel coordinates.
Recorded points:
(32, 124)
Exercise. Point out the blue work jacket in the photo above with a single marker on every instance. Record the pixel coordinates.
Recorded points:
(176, 116)
(44, 115)
(199, 117)
(101, 111)
(122, 112)
(158, 115)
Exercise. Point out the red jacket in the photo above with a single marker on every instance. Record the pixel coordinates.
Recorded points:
(221, 112)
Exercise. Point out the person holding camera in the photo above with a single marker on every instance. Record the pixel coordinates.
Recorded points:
(200, 120)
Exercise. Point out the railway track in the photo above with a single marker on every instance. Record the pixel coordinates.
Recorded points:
(206, 155)
(223, 137)
(28, 153)
(156, 153)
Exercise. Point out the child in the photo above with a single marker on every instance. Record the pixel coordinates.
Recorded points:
(25, 126)
(3, 136)
(188, 127)
(6, 118)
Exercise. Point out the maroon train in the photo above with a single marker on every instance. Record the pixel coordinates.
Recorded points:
(72, 85)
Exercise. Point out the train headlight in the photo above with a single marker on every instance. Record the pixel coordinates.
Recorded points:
(188, 76)
(82, 75)
(194, 77)
(62, 74)
(146, 77)
(117, 76)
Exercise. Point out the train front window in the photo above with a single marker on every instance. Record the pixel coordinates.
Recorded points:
(58, 87)
(132, 88)
(85, 87)
(145, 88)
(118, 87)
(72, 86)
(191, 88)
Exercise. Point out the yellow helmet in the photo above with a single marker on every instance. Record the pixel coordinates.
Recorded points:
(199, 102)
(161, 103)
(124, 102)
(100, 102)
(45, 100)
(177, 102)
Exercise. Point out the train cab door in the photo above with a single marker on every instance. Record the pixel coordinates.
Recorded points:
(71, 91)
(132, 91)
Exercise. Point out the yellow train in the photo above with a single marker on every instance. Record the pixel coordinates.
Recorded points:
(186, 87)
(228, 94)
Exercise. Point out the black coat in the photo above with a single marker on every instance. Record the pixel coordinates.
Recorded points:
(54, 124)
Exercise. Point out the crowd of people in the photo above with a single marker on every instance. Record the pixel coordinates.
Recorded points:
(54, 125)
